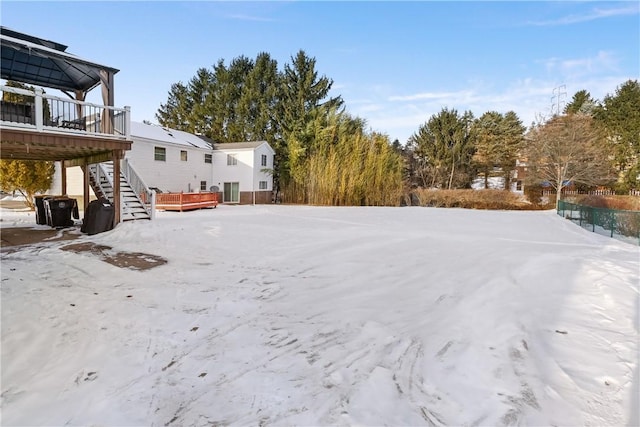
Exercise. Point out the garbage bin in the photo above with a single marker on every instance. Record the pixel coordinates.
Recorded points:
(41, 213)
(59, 210)
(98, 217)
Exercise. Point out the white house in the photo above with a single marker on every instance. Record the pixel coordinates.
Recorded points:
(174, 161)
(244, 171)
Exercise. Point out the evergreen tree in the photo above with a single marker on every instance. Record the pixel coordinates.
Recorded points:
(26, 176)
(251, 100)
(175, 113)
(582, 102)
(512, 136)
(444, 147)
(487, 134)
(619, 115)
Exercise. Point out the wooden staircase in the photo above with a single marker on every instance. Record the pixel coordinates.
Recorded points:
(132, 206)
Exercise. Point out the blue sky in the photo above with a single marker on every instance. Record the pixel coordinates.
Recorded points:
(394, 63)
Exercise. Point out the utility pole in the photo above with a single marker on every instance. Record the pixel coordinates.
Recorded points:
(558, 97)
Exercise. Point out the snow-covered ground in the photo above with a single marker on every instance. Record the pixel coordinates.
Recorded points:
(295, 315)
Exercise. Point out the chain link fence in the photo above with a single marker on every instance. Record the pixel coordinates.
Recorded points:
(618, 224)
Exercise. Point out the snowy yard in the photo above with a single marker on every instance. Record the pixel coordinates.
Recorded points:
(294, 315)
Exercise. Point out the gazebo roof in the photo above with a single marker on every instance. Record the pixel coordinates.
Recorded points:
(29, 59)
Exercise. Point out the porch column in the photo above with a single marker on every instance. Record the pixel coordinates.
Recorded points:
(116, 156)
(85, 185)
(63, 177)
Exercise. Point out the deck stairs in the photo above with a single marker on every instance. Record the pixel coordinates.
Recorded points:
(135, 197)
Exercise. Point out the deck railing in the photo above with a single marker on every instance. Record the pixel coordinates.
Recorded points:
(185, 201)
(41, 112)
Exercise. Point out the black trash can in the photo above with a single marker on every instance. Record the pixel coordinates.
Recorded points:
(41, 212)
(98, 217)
(59, 210)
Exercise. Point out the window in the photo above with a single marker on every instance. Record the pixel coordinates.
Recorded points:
(263, 160)
(203, 185)
(160, 154)
(183, 155)
(208, 158)
(232, 160)
(262, 185)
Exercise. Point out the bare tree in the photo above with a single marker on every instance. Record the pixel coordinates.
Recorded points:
(567, 149)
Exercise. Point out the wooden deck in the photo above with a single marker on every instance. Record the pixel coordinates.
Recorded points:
(185, 201)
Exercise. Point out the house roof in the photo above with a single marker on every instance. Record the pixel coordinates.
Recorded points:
(168, 135)
(32, 60)
(238, 145)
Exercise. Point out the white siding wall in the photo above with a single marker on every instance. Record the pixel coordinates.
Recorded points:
(248, 171)
(74, 181)
(241, 173)
(173, 174)
(258, 174)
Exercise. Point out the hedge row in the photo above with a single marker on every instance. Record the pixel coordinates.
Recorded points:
(471, 199)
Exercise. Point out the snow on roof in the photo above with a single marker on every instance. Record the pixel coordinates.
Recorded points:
(238, 145)
(168, 135)
(173, 136)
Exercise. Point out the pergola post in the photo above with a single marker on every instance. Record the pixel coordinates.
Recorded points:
(107, 82)
(80, 96)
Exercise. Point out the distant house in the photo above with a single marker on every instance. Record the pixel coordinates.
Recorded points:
(170, 160)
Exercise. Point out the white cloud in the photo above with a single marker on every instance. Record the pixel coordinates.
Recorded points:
(603, 61)
(400, 116)
(592, 15)
(429, 96)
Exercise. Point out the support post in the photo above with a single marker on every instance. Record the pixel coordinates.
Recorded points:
(85, 185)
(117, 206)
(63, 177)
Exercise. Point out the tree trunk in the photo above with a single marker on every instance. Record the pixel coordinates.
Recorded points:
(559, 185)
(453, 168)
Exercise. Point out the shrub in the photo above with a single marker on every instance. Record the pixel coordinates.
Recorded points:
(626, 203)
(472, 199)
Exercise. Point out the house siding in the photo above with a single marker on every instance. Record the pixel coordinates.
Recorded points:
(248, 172)
(172, 175)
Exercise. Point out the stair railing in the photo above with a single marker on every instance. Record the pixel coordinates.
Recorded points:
(146, 196)
(97, 171)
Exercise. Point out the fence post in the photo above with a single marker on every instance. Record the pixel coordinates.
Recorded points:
(580, 211)
(613, 222)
